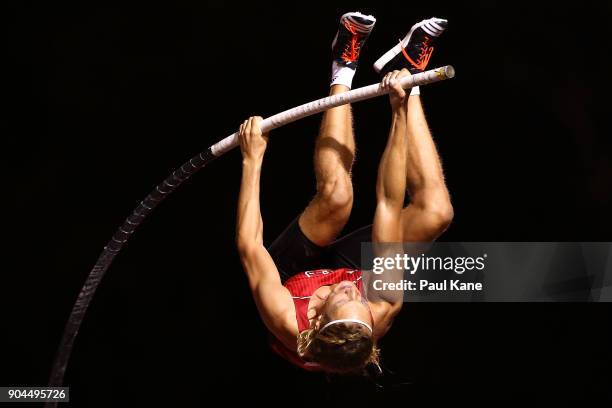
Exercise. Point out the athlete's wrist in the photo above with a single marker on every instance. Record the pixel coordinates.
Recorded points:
(252, 161)
(400, 110)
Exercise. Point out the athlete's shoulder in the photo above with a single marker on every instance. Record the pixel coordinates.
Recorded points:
(383, 314)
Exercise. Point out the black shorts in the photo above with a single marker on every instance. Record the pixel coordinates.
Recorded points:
(293, 252)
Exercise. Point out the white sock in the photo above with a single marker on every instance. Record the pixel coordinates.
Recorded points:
(342, 75)
(415, 90)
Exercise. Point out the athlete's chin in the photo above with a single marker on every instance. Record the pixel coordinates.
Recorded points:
(343, 285)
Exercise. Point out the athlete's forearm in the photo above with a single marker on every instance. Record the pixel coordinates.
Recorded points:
(249, 225)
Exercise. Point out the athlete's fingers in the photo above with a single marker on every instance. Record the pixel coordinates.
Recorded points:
(241, 137)
(404, 73)
(396, 85)
(249, 127)
(257, 124)
(259, 121)
(397, 88)
(393, 78)
(389, 78)
(241, 131)
(385, 81)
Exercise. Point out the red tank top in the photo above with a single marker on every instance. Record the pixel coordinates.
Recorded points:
(301, 287)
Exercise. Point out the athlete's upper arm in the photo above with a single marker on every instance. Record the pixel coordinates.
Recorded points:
(273, 300)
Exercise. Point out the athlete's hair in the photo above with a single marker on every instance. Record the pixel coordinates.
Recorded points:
(343, 348)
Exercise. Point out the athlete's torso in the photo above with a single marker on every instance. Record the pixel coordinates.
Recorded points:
(302, 287)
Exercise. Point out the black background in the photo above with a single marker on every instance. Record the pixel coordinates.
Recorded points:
(104, 100)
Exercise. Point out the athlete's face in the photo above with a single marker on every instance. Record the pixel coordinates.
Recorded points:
(345, 302)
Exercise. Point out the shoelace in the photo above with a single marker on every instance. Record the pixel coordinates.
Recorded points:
(424, 54)
(353, 47)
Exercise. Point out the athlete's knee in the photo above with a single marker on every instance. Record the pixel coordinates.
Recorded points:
(333, 156)
(336, 193)
(443, 214)
(438, 215)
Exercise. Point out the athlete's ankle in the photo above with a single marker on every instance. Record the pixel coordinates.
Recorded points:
(342, 75)
(338, 88)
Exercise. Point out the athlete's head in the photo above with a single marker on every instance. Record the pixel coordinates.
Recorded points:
(340, 338)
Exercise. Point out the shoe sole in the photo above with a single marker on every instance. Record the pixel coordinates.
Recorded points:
(392, 53)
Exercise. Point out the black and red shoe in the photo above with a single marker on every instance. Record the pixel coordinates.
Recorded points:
(353, 32)
(415, 50)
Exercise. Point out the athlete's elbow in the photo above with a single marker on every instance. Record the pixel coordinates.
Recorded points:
(243, 244)
(246, 246)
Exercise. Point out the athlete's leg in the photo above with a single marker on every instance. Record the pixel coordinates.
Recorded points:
(430, 211)
(329, 210)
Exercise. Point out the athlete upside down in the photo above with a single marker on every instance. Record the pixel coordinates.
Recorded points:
(307, 284)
